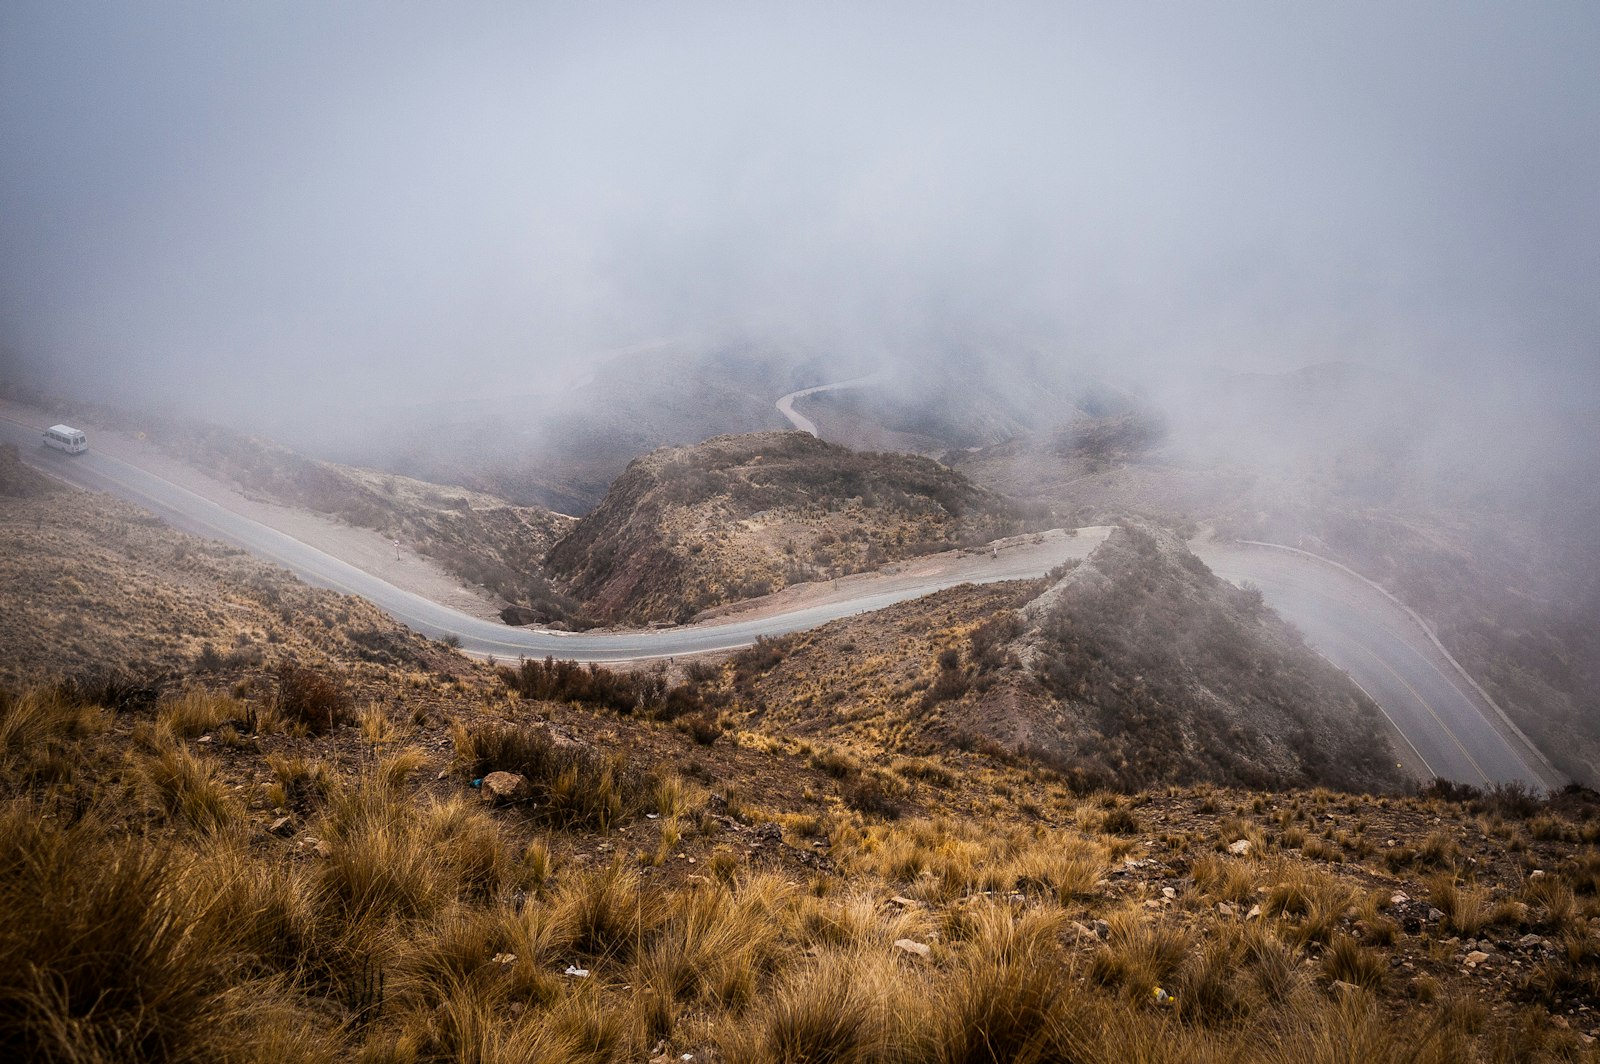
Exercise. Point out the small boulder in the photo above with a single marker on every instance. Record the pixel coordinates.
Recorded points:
(316, 847)
(920, 949)
(1476, 957)
(517, 616)
(498, 788)
(1239, 848)
(282, 827)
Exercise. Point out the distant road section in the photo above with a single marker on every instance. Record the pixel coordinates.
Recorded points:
(1449, 729)
(800, 421)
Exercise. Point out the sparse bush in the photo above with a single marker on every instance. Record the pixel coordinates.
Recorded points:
(989, 640)
(1223, 878)
(824, 1012)
(925, 771)
(1510, 798)
(874, 794)
(1466, 911)
(835, 763)
(607, 913)
(574, 785)
(645, 692)
(114, 689)
(209, 659)
(1207, 984)
(194, 712)
(311, 699)
(1309, 903)
(1001, 1006)
(763, 656)
(703, 728)
(701, 672)
(1138, 955)
(187, 787)
(40, 731)
(303, 782)
(948, 685)
(1348, 961)
(1120, 821)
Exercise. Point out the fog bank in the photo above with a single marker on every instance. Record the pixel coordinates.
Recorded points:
(244, 207)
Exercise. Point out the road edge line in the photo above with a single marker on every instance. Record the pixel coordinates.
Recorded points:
(1556, 774)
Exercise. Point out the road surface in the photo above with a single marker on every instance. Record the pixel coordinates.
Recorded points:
(785, 405)
(1450, 729)
(1453, 731)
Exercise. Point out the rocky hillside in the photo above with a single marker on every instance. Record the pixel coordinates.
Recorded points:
(93, 586)
(481, 538)
(1161, 671)
(319, 856)
(1136, 668)
(273, 837)
(687, 528)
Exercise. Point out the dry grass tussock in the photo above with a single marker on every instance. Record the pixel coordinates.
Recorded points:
(406, 920)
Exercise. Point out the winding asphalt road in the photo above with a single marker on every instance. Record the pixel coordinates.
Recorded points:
(785, 405)
(1451, 730)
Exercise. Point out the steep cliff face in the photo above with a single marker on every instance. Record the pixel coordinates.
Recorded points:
(686, 528)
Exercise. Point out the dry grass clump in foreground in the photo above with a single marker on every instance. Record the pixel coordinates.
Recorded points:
(406, 920)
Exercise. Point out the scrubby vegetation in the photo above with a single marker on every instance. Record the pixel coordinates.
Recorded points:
(645, 691)
(1101, 441)
(17, 480)
(400, 918)
(484, 540)
(687, 528)
(301, 856)
(1175, 675)
(95, 588)
(1134, 668)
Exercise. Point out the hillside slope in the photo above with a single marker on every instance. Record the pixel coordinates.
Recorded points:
(93, 586)
(1165, 672)
(1136, 668)
(687, 528)
(481, 539)
(17, 480)
(201, 874)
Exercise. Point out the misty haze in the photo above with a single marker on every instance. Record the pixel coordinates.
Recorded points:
(873, 532)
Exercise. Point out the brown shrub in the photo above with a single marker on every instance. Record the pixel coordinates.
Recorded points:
(309, 698)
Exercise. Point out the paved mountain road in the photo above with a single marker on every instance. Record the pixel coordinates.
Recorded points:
(785, 404)
(1452, 730)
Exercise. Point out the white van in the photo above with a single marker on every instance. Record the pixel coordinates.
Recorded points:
(66, 438)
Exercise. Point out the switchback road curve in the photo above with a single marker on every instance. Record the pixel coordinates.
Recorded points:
(1450, 729)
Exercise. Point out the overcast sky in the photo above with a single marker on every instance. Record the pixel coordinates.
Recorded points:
(237, 202)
